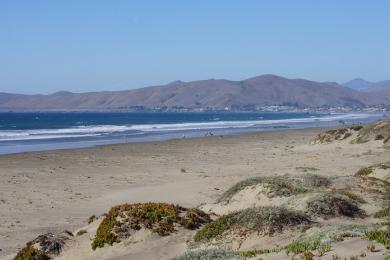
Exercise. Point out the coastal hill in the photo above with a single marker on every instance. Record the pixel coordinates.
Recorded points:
(212, 94)
(380, 87)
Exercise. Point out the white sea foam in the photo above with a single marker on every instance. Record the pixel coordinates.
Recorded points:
(98, 130)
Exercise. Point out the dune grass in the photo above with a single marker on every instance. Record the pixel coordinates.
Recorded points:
(380, 236)
(367, 171)
(207, 254)
(262, 220)
(328, 205)
(352, 196)
(278, 185)
(159, 217)
(320, 239)
(376, 131)
(384, 212)
(336, 134)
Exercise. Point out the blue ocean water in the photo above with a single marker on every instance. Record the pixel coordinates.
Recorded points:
(22, 132)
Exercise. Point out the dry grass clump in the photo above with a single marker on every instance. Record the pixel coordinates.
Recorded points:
(262, 220)
(328, 205)
(367, 171)
(161, 218)
(278, 185)
(208, 254)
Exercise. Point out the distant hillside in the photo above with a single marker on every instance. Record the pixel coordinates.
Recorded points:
(213, 94)
(381, 87)
(358, 84)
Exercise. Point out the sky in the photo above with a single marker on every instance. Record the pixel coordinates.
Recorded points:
(95, 45)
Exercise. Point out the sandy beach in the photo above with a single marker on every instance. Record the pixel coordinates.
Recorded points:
(59, 190)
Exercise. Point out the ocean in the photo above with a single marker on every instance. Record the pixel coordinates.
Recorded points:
(23, 132)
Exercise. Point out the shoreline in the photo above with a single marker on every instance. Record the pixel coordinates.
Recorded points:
(72, 137)
(238, 134)
(59, 189)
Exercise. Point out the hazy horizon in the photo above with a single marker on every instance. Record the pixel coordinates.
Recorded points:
(89, 46)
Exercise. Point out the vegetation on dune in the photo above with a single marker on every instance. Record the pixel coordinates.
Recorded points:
(304, 247)
(161, 218)
(380, 236)
(208, 254)
(367, 171)
(384, 212)
(375, 183)
(216, 228)
(313, 242)
(320, 240)
(44, 246)
(278, 185)
(104, 234)
(262, 220)
(356, 127)
(256, 252)
(329, 205)
(81, 232)
(352, 196)
(336, 134)
(377, 131)
(91, 219)
(307, 169)
(31, 253)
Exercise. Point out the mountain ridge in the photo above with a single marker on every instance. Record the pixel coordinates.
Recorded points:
(211, 94)
(360, 84)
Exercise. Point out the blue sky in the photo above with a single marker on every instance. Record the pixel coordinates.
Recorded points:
(79, 46)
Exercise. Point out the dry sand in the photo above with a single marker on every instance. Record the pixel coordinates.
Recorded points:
(58, 190)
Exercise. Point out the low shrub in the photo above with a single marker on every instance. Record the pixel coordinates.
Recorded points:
(31, 253)
(161, 218)
(278, 185)
(329, 205)
(262, 220)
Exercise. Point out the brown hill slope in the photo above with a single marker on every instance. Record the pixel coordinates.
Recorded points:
(211, 94)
